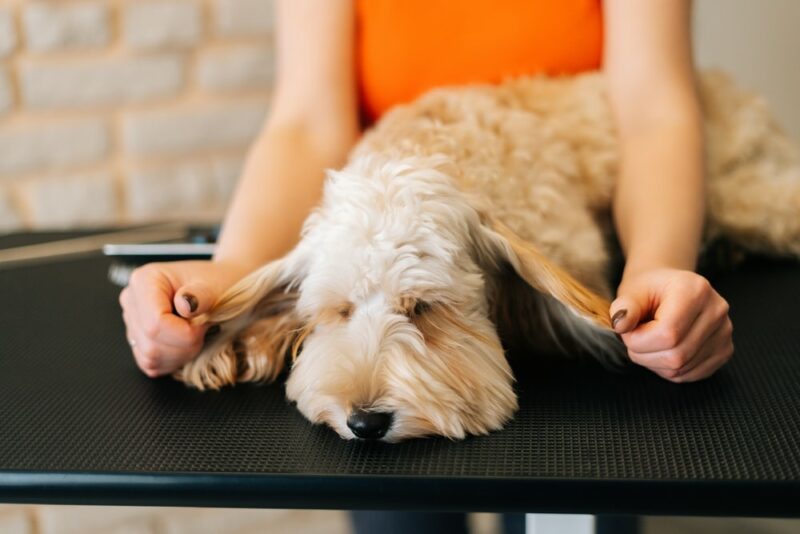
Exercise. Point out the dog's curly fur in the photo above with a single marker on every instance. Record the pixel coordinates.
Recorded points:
(392, 300)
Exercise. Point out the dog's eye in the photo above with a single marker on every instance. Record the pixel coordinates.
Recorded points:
(345, 311)
(420, 307)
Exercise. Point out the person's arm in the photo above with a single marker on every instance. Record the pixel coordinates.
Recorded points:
(670, 318)
(312, 125)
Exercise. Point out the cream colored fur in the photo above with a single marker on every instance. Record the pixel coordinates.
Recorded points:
(392, 299)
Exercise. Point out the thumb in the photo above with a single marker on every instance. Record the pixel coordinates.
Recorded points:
(193, 299)
(627, 310)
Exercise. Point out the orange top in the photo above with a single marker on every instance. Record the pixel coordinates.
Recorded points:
(405, 47)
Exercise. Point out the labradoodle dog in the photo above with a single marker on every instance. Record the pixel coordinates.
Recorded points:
(469, 211)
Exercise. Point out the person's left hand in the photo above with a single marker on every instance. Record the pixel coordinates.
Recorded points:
(673, 323)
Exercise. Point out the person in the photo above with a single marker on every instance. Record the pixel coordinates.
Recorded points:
(670, 318)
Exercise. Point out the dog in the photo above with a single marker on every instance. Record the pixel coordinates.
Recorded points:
(470, 211)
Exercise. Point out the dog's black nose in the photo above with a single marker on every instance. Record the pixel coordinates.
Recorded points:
(369, 425)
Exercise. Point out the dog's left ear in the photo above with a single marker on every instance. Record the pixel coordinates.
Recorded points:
(542, 274)
(570, 306)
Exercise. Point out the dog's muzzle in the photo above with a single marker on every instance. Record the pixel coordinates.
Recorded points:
(369, 425)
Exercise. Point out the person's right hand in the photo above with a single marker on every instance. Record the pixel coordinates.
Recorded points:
(158, 303)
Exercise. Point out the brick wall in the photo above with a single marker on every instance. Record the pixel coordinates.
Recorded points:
(114, 111)
(125, 110)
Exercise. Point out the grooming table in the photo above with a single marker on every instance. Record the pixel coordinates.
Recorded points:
(80, 424)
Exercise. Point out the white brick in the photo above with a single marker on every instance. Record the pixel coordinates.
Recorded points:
(49, 26)
(99, 82)
(194, 128)
(83, 519)
(8, 35)
(243, 17)
(71, 200)
(236, 68)
(189, 186)
(162, 24)
(28, 148)
(6, 95)
(14, 520)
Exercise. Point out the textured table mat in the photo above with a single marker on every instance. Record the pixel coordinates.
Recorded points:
(79, 423)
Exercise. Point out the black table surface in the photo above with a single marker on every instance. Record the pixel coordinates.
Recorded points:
(80, 424)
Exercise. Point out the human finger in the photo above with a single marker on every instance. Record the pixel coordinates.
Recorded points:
(690, 348)
(674, 373)
(627, 309)
(151, 295)
(677, 308)
(721, 355)
(193, 299)
(157, 359)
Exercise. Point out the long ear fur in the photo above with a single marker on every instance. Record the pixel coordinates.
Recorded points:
(258, 325)
(567, 312)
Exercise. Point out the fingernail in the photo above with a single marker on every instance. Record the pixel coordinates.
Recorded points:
(617, 317)
(191, 300)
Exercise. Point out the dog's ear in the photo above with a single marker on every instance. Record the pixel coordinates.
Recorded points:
(567, 307)
(541, 273)
(256, 324)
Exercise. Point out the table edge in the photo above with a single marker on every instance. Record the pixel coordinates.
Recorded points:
(767, 498)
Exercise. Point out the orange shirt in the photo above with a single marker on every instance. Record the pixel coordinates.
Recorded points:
(405, 47)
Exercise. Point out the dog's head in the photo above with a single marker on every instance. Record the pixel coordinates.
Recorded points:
(386, 306)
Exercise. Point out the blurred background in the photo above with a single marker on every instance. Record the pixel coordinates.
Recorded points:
(121, 111)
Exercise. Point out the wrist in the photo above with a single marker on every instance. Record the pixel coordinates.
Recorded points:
(234, 268)
(638, 265)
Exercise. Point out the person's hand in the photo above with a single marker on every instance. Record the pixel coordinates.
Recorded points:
(673, 323)
(158, 303)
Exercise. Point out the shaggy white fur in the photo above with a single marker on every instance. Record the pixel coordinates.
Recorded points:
(390, 303)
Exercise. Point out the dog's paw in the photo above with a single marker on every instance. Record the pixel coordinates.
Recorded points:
(212, 369)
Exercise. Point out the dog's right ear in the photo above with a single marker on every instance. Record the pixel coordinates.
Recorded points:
(258, 326)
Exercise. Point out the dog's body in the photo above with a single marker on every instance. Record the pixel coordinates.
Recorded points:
(401, 279)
